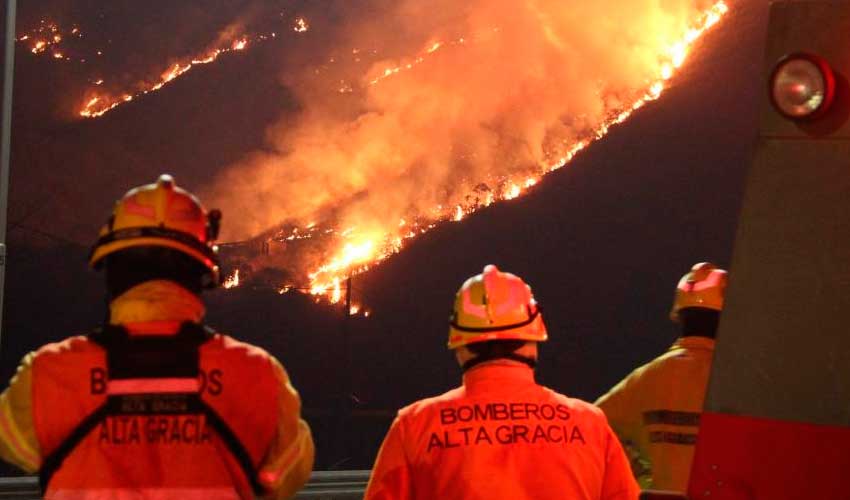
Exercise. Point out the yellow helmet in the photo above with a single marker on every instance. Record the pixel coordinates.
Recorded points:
(703, 286)
(495, 306)
(161, 214)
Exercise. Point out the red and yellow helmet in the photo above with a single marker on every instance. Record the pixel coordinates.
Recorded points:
(161, 214)
(704, 286)
(495, 306)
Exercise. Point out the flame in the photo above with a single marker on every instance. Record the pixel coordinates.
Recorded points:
(301, 25)
(107, 102)
(48, 34)
(415, 61)
(363, 249)
(359, 309)
(232, 281)
(351, 255)
(458, 213)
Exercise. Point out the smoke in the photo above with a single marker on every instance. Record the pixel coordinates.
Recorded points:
(426, 105)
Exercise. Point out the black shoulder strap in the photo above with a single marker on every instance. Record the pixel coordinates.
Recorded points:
(235, 446)
(53, 461)
(152, 356)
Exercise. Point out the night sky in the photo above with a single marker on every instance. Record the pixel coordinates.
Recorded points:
(602, 242)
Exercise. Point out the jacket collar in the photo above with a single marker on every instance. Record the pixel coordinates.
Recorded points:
(498, 372)
(693, 342)
(157, 306)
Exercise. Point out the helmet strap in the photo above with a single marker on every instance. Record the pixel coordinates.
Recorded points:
(531, 362)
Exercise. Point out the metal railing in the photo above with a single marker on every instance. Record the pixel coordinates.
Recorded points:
(661, 495)
(323, 485)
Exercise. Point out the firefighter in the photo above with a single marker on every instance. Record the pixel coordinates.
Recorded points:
(153, 404)
(500, 435)
(656, 409)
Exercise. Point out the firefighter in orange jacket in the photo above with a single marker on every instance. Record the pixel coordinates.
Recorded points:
(655, 410)
(500, 435)
(153, 404)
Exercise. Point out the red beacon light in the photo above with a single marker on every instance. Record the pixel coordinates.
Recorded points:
(802, 86)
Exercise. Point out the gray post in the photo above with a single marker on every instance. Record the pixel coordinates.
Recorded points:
(6, 139)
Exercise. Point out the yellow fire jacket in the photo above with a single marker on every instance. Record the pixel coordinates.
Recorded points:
(159, 454)
(655, 412)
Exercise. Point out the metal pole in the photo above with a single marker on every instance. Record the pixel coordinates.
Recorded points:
(349, 389)
(6, 140)
(348, 385)
(343, 400)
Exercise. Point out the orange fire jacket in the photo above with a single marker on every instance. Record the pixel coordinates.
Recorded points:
(501, 436)
(160, 452)
(655, 410)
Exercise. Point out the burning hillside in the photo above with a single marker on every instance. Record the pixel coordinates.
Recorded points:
(114, 78)
(410, 116)
(101, 103)
(497, 95)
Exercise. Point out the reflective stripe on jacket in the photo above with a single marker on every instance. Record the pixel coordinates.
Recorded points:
(655, 411)
(501, 436)
(164, 453)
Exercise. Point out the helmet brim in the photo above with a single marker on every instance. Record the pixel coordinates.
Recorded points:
(99, 253)
(533, 332)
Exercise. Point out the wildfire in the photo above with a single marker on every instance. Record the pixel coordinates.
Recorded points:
(351, 256)
(301, 25)
(359, 309)
(459, 213)
(418, 59)
(46, 35)
(232, 281)
(362, 250)
(102, 103)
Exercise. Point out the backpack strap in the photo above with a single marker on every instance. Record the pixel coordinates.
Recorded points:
(174, 359)
(54, 461)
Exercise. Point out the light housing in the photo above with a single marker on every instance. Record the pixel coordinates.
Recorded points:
(802, 86)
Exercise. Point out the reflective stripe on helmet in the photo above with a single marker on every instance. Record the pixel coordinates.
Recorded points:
(155, 232)
(532, 315)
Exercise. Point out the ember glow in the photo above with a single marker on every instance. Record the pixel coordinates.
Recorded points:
(49, 35)
(471, 119)
(301, 25)
(103, 103)
(232, 280)
(99, 102)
